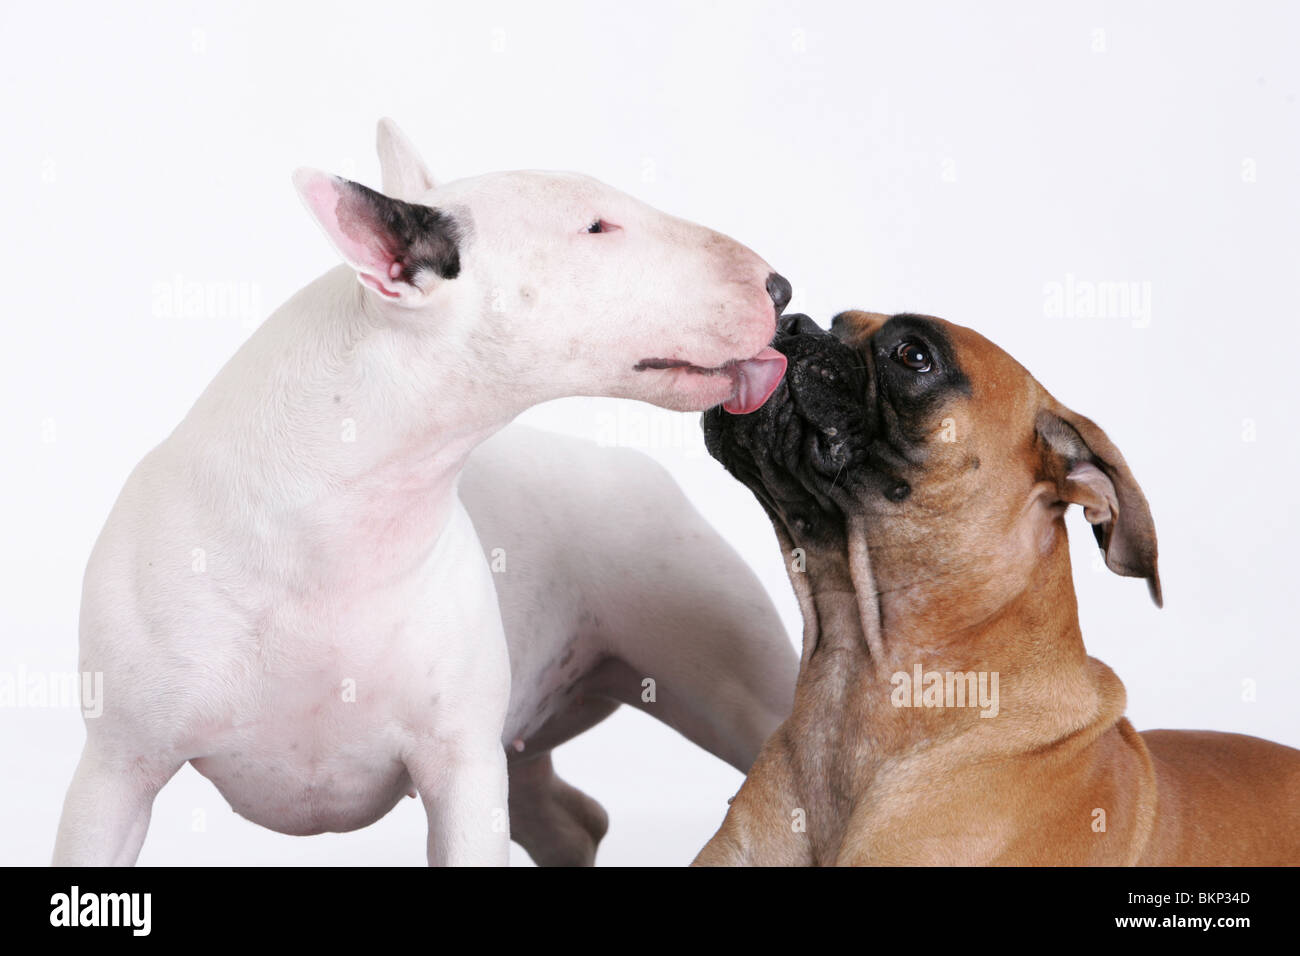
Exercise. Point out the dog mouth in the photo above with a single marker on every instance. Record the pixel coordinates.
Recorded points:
(813, 430)
(753, 380)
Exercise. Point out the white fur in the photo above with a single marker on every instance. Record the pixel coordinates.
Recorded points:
(289, 593)
(608, 576)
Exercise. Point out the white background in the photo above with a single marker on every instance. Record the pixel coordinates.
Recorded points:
(954, 159)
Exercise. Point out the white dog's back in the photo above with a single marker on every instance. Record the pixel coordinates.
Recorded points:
(598, 554)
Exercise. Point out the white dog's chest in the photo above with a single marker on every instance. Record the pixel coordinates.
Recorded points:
(314, 741)
(335, 691)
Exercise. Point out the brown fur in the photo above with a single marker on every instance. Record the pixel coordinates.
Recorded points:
(973, 574)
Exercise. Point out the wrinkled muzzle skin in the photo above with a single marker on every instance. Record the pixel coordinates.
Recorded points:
(849, 460)
(806, 451)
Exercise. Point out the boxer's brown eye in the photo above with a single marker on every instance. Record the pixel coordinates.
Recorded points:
(914, 356)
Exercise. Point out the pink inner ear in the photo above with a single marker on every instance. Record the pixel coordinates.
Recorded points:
(1090, 487)
(350, 232)
(375, 284)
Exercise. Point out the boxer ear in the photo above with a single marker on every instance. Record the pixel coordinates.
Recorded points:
(403, 172)
(400, 250)
(1090, 471)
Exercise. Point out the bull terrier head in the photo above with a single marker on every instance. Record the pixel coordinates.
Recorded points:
(557, 283)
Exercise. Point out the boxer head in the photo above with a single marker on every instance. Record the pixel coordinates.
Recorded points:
(945, 454)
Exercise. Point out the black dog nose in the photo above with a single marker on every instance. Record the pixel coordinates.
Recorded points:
(778, 287)
(796, 323)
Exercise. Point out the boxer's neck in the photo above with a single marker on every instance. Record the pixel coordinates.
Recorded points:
(930, 617)
(335, 428)
(871, 712)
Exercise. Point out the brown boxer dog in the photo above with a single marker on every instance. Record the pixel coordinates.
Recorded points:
(946, 710)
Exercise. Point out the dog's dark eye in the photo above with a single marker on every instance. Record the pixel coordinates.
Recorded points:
(914, 356)
(600, 225)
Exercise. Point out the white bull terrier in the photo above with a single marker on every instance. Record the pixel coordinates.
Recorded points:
(608, 577)
(289, 593)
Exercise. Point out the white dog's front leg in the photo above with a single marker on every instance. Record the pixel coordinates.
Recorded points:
(465, 795)
(106, 812)
(455, 757)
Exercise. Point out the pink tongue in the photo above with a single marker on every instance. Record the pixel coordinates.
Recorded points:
(756, 379)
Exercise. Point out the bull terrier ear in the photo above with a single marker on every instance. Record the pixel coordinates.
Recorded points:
(1090, 471)
(400, 250)
(404, 174)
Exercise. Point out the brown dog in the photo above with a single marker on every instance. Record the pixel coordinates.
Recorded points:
(946, 710)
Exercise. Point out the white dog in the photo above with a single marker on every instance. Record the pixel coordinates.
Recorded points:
(607, 578)
(289, 594)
